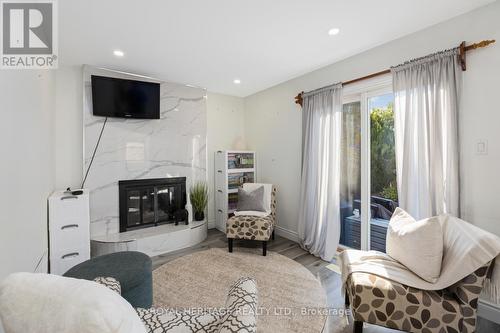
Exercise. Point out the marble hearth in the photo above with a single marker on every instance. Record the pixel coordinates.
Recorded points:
(152, 241)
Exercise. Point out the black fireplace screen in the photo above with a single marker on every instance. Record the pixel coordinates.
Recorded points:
(150, 202)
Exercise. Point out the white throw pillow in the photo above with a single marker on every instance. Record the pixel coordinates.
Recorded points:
(44, 303)
(250, 213)
(416, 244)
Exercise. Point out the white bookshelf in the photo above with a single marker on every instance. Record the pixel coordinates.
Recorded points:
(232, 169)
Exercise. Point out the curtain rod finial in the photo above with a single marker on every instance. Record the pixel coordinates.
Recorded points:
(298, 98)
(482, 43)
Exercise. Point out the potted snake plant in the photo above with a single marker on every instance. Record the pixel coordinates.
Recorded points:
(198, 194)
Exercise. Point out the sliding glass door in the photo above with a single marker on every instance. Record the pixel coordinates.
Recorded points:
(368, 169)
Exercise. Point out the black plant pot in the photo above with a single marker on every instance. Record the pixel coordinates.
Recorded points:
(199, 216)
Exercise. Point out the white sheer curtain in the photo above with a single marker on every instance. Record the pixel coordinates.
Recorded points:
(426, 104)
(319, 217)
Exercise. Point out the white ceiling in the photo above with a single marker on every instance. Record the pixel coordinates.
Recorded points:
(209, 43)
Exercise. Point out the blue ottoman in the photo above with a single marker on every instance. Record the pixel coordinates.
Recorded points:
(131, 269)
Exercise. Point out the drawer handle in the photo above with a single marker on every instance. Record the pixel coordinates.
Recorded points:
(220, 191)
(70, 255)
(220, 210)
(219, 171)
(69, 226)
(69, 197)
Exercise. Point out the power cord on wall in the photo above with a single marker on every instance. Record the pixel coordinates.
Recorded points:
(39, 262)
(95, 150)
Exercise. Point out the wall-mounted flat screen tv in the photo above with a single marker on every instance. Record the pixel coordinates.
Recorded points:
(121, 98)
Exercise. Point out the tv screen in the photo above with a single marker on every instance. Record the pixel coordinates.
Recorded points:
(125, 98)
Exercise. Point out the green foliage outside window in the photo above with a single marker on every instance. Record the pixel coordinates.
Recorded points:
(383, 155)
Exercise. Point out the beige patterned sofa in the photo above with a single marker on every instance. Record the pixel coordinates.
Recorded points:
(379, 301)
(253, 227)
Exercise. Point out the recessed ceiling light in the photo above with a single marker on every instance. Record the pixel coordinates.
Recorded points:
(236, 81)
(333, 31)
(118, 53)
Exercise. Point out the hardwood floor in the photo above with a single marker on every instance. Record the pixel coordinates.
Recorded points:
(330, 280)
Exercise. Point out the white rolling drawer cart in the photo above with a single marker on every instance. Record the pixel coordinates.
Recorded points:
(69, 230)
(232, 169)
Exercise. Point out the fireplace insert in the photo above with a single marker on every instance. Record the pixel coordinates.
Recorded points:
(150, 202)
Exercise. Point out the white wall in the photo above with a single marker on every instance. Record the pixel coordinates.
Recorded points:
(27, 168)
(225, 130)
(273, 120)
(68, 134)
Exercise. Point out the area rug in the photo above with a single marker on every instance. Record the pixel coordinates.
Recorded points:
(291, 299)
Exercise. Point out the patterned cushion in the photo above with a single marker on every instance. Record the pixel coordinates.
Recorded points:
(379, 301)
(241, 307)
(239, 314)
(172, 321)
(110, 282)
(250, 227)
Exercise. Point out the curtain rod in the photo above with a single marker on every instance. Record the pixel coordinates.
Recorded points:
(462, 58)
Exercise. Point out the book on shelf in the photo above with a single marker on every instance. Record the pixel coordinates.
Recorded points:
(237, 179)
(240, 161)
(231, 164)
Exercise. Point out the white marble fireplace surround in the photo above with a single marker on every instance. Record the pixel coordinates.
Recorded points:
(173, 146)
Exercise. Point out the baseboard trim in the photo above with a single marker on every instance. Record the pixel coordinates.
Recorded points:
(489, 311)
(288, 234)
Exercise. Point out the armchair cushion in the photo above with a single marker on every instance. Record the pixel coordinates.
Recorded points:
(251, 213)
(250, 227)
